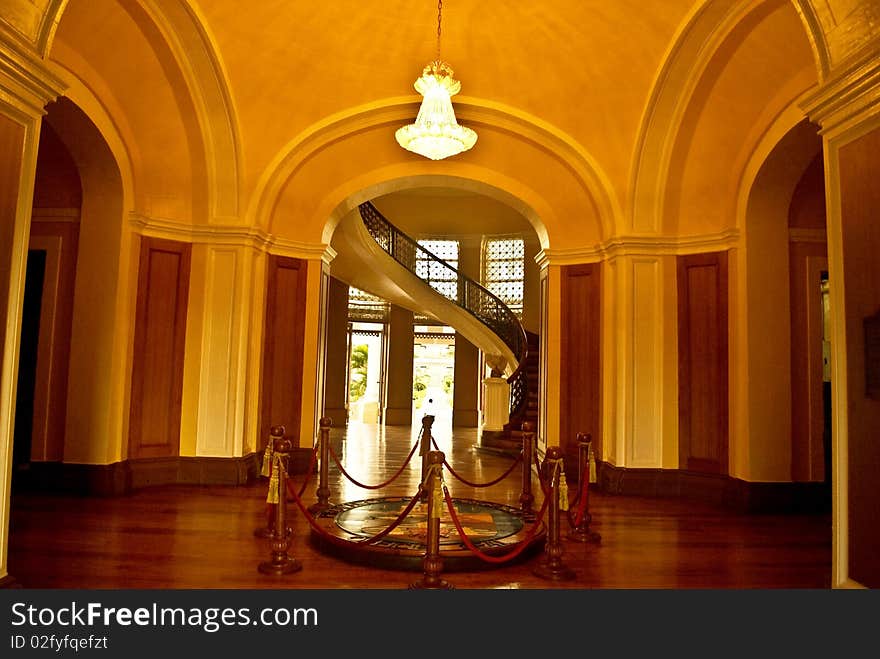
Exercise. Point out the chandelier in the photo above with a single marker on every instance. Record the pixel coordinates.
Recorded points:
(436, 134)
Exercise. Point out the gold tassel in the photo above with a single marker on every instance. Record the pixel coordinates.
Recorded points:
(267, 460)
(437, 508)
(592, 467)
(563, 492)
(274, 481)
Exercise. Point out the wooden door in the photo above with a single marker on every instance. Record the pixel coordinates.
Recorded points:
(581, 376)
(702, 355)
(159, 340)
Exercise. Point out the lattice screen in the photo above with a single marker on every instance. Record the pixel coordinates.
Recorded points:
(363, 306)
(504, 270)
(441, 279)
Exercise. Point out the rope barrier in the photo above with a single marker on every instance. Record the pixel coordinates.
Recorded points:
(275, 462)
(458, 476)
(545, 487)
(380, 485)
(551, 566)
(580, 525)
(280, 562)
(581, 502)
(366, 541)
(490, 558)
(312, 461)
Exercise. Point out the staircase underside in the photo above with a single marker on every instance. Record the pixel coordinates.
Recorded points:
(362, 263)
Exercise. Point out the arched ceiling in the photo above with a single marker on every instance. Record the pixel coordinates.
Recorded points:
(114, 47)
(293, 63)
(561, 91)
(751, 78)
(450, 212)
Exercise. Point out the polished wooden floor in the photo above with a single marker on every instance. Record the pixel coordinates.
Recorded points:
(202, 537)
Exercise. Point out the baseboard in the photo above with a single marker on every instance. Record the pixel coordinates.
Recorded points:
(193, 471)
(733, 493)
(498, 441)
(8, 582)
(123, 477)
(398, 416)
(99, 480)
(338, 416)
(465, 418)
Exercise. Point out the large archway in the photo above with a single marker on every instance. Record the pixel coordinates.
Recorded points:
(784, 245)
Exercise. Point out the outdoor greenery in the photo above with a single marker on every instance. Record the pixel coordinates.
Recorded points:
(447, 384)
(420, 386)
(357, 382)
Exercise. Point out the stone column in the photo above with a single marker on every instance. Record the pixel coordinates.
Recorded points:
(399, 376)
(465, 406)
(464, 395)
(335, 367)
(25, 88)
(496, 404)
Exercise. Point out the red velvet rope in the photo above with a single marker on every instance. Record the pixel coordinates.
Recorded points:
(489, 558)
(366, 541)
(467, 482)
(544, 487)
(519, 548)
(312, 462)
(380, 485)
(581, 501)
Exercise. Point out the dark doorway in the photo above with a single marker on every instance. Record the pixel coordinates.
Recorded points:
(27, 359)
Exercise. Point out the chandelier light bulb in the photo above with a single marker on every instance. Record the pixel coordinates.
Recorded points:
(436, 134)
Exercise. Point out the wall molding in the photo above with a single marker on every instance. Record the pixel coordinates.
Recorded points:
(121, 478)
(234, 236)
(55, 215)
(847, 98)
(724, 491)
(25, 81)
(218, 402)
(807, 235)
(641, 245)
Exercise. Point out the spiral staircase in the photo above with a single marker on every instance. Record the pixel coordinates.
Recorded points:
(376, 256)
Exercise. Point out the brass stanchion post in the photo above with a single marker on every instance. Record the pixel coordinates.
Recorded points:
(551, 565)
(275, 433)
(323, 491)
(526, 498)
(433, 562)
(280, 563)
(582, 532)
(424, 450)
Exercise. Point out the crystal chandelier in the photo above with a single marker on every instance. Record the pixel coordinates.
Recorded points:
(436, 134)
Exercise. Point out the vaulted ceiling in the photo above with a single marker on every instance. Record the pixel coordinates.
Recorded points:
(595, 118)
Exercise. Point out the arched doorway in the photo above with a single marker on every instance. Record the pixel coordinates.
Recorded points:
(786, 264)
(76, 248)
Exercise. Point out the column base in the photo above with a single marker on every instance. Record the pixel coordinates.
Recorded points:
(398, 416)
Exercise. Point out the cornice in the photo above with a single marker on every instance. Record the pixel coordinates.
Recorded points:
(849, 95)
(797, 235)
(639, 245)
(233, 236)
(25, 82)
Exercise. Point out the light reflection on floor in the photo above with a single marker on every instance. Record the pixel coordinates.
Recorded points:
(373, 453)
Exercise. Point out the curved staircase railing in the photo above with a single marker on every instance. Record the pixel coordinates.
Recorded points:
(460, 289)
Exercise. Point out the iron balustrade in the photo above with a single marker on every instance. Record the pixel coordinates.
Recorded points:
(481, 303)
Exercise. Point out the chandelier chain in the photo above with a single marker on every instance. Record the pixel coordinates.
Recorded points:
(435, 133)
(439, 17)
